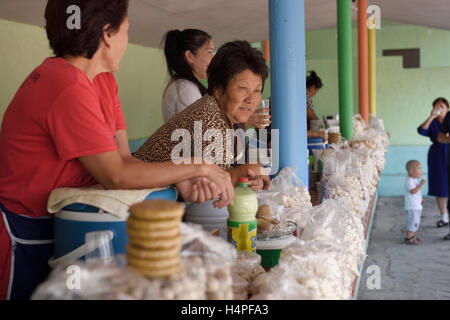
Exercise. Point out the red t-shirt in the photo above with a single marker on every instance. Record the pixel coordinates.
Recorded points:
(56, 116)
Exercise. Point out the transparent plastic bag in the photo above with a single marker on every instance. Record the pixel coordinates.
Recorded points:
(206, 274)
(248, 265)
(335, 221)
(240, 287)
(274, 225)
(286, 189)
(286, 198)
(302, 274)
(217, 257)
(114, 282)
(285, 181)
(327, 270)
(198, 242)
(376, 123)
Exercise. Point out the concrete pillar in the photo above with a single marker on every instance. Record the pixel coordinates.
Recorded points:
(266, 46)
(345, 68)
(372, 73)
(288, 82)
(363, 61)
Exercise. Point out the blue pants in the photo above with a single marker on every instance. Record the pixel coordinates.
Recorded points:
(32, 247)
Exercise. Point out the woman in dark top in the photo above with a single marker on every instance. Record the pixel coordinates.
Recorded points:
(437, 158)
(313, 85)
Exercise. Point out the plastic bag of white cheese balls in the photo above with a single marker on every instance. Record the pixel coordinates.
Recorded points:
(293, 192)
(240, 287)
(246, 268)
(100, 281)
(340, 185)
(308, 270)
(217, 257)
(286, 191)
(333, 221)
(248, 265)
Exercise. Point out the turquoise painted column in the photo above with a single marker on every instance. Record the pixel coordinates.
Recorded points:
(344, 16)
(288, 82)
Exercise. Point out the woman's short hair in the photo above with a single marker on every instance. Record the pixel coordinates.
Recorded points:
(94, 16)
(176, 43)
(441, 99)
(231, 59)
(313, 80)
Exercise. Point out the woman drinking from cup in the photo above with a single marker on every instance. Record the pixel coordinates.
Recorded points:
(437, 158)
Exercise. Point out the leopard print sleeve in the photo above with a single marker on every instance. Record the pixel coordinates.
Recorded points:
(195, 131)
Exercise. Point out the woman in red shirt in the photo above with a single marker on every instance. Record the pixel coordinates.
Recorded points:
(65, 128)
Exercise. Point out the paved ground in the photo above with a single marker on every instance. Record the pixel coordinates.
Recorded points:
(406, 272)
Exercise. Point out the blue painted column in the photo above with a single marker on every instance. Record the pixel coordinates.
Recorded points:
(288, 82)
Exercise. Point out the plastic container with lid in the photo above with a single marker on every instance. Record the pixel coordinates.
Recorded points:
(242, 221)
(270, 250)
(208, 217)
(316, 143)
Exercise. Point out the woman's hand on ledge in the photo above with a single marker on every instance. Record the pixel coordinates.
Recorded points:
(258, 181)
(198, 190)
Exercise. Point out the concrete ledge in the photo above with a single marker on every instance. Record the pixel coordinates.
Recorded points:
(367, 221)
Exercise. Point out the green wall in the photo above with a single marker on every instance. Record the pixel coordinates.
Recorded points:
(22, 48)
(403, 95)
(141, 78)
(433, 43)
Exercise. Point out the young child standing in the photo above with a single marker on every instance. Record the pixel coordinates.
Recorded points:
(413, 201)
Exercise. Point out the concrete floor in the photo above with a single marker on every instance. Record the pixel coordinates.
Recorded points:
(406, 272)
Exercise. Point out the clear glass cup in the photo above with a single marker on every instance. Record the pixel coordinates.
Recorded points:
(265, 103)
(99, 248)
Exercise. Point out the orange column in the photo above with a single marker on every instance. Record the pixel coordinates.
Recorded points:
(266, 44)
(363, 60)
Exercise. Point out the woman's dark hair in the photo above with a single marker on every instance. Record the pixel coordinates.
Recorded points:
(233, 58)
(176, 43)
(443, 100)
(94, 16)
(313, 80)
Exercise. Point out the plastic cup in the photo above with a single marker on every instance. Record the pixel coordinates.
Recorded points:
(99, 247)
(437, 111)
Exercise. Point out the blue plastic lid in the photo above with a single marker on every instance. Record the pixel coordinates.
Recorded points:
(315, 140)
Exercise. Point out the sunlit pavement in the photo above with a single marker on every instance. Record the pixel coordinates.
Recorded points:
(406, 271)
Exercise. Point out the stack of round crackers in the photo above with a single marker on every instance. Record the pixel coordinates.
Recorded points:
(154, 237)
(334, 137)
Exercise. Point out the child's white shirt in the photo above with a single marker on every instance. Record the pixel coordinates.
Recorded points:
(412, 201)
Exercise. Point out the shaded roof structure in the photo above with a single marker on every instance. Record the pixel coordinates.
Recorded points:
(235, 19)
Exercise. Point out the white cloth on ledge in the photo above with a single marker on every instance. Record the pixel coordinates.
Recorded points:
(115, 202)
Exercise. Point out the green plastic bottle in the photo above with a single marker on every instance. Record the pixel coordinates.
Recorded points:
(242, 221)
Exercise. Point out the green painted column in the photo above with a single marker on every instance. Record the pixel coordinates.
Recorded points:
(344, 18)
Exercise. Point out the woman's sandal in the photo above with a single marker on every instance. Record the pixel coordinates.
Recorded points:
(441, 224)
(413, 240)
